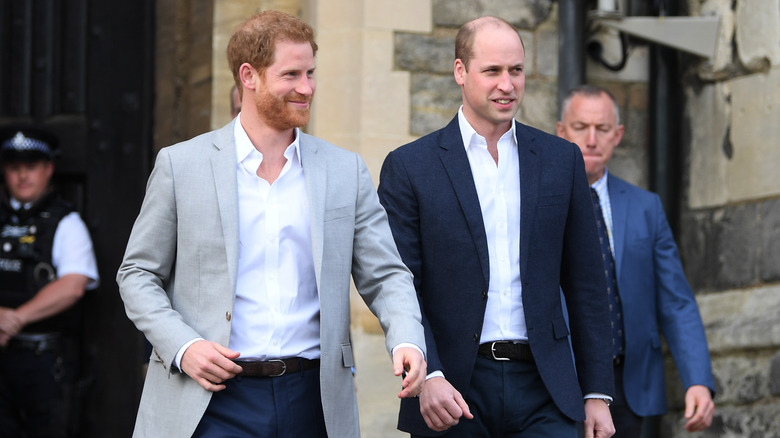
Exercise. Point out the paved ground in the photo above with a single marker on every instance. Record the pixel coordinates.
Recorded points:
(377, 387)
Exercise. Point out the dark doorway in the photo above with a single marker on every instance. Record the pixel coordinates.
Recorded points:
(84, 69)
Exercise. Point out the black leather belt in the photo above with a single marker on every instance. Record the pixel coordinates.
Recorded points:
(38, 343)
(276, 367)
(506, 350)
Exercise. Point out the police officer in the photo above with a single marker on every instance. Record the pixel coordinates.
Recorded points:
(46, 264)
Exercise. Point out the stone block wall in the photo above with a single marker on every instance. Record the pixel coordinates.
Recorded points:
(730, 228)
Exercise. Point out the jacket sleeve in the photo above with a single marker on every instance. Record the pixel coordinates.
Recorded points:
(398, 199)
(146, 270)
(379, 274)
(678, 313)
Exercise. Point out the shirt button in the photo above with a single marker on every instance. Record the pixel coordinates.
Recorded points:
(228, 316)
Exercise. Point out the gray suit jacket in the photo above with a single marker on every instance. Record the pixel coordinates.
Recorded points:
(178, 275)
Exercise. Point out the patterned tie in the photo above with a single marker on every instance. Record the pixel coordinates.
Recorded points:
(615, 313)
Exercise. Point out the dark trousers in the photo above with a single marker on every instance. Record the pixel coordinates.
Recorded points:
(38, 393)
(288, 406)
(508, 399)
(627, 423)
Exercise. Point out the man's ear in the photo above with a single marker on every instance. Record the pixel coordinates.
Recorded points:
(620, 130)
(248, 75)
(460, 72)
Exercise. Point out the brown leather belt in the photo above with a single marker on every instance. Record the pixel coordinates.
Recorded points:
(506, 350)
(276, 367)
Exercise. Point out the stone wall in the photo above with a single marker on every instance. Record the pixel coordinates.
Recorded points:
(730, 233)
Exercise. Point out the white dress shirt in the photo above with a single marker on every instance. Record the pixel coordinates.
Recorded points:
(276, 312)
(498, 189)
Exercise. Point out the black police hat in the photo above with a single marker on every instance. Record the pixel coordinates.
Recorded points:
(26, 144)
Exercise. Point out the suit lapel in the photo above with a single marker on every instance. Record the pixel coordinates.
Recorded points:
(456, 163)
(314, 171)
(530, 169)
(619, 202)
(223, 165)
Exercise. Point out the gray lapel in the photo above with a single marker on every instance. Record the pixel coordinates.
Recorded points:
(315, 172)
(223, 166)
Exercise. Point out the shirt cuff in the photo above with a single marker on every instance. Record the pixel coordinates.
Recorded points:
(598, 395)
(437, 373)
(180, 353)
(407, 344)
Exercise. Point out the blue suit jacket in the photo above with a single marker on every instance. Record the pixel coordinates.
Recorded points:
(655, 295)
(428, 191)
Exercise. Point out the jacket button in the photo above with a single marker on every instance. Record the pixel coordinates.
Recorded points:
(484, 294)
(476, 337)
(228, 316)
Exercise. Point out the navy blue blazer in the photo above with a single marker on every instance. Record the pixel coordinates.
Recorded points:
(654, 296)
(429, 193)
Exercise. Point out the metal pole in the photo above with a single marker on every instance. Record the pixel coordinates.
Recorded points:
(571, 46)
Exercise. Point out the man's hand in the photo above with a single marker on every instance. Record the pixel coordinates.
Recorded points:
(598, 420)
(409, 360)
(11, 322)
(699, 408)
(442, 405)
(210, 364)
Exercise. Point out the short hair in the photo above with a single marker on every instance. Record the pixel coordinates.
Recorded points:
(254, 41)
(588, 90)
(464, 40)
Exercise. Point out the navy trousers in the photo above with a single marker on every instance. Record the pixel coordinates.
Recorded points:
(508, 399)
(288, 406)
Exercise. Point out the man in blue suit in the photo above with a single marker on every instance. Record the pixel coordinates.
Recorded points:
(493, 219)
(654, 293)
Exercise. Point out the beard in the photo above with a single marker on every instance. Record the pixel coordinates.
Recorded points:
(277, 114)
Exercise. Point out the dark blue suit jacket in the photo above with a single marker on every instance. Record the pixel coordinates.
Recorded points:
(429, 193)
(655, 295)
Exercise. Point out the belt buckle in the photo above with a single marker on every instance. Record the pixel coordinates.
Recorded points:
(493, 350)
(284, 367)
